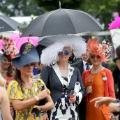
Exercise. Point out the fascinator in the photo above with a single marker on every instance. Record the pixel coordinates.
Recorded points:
(8, 48)
(96, 48)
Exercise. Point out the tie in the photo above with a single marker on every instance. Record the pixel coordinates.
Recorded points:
(87, 66)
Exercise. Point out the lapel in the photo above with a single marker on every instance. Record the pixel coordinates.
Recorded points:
(58, 73)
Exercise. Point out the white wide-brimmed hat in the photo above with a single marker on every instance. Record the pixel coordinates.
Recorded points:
(50, 54)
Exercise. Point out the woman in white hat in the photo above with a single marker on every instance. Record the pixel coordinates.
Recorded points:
(63, 80)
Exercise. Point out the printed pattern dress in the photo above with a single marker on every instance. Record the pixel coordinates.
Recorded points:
(15, 93)
(64, 109)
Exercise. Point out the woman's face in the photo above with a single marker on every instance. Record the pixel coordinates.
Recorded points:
(27, 69)
(64, 55)
(95, 59)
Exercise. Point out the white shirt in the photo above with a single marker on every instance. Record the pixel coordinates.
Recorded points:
(84, 65)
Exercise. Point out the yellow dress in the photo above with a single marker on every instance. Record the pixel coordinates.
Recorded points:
(15, 93)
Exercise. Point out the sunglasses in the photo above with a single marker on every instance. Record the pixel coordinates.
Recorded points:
(95, 56)
(65, 53)
(28, 65)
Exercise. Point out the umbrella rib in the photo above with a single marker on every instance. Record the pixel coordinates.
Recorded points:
(67, 13)
(46, 19)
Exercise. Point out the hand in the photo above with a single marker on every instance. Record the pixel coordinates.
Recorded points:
(114, 107)
(45, 116)
(102, 100)
(89, 89)
(72, 99)
(43, 94)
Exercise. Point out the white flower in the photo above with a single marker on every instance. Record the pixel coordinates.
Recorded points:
(104, 78)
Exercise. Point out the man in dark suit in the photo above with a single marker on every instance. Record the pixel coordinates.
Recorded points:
(82, 64)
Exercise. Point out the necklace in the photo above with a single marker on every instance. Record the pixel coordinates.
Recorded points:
(96, 70)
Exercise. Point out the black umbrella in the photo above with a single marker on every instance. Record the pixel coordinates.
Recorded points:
(62, 21)
(8, 24)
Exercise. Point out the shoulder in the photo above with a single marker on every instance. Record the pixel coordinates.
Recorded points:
(47, 68)
(13, 82)
(13, 86)
(107, 70)
(40, 82)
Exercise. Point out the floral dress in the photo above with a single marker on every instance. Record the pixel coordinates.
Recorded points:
(15, 93)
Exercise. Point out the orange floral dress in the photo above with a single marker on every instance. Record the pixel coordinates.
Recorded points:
(102, 85)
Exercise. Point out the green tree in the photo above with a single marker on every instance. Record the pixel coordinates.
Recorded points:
(20, 7)
(101, 9)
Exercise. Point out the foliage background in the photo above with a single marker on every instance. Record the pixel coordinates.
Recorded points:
(101, 9)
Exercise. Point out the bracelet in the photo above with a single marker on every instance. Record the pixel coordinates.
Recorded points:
(37, 98)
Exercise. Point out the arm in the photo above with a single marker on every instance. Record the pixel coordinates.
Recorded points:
(2, 81)
(49, 105)
(5, 106)
(110, 84)
(82, 89)
(24, 104)
(102, 100)
(45, 75)
(81, 82)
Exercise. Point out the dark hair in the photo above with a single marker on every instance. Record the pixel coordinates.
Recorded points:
(10, 70)
(18, 78)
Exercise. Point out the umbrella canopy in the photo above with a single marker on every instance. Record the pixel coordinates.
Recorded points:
(62, 21)
(8, 24)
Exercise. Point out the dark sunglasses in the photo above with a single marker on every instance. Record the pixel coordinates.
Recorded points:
(28, 65)
(95, 56)
(65, 52)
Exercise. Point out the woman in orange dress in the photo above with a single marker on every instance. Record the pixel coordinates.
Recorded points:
(98, 82)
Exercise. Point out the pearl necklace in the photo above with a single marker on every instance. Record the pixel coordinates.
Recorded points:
(96, 70)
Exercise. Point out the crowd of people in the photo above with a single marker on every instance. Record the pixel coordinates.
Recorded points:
(68, 81)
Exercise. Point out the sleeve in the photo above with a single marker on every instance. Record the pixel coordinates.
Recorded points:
(45, 75)
(81, 81)
(83, 78)
(110, 83)
(41, 82)
(14, 91)
(82, 90)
